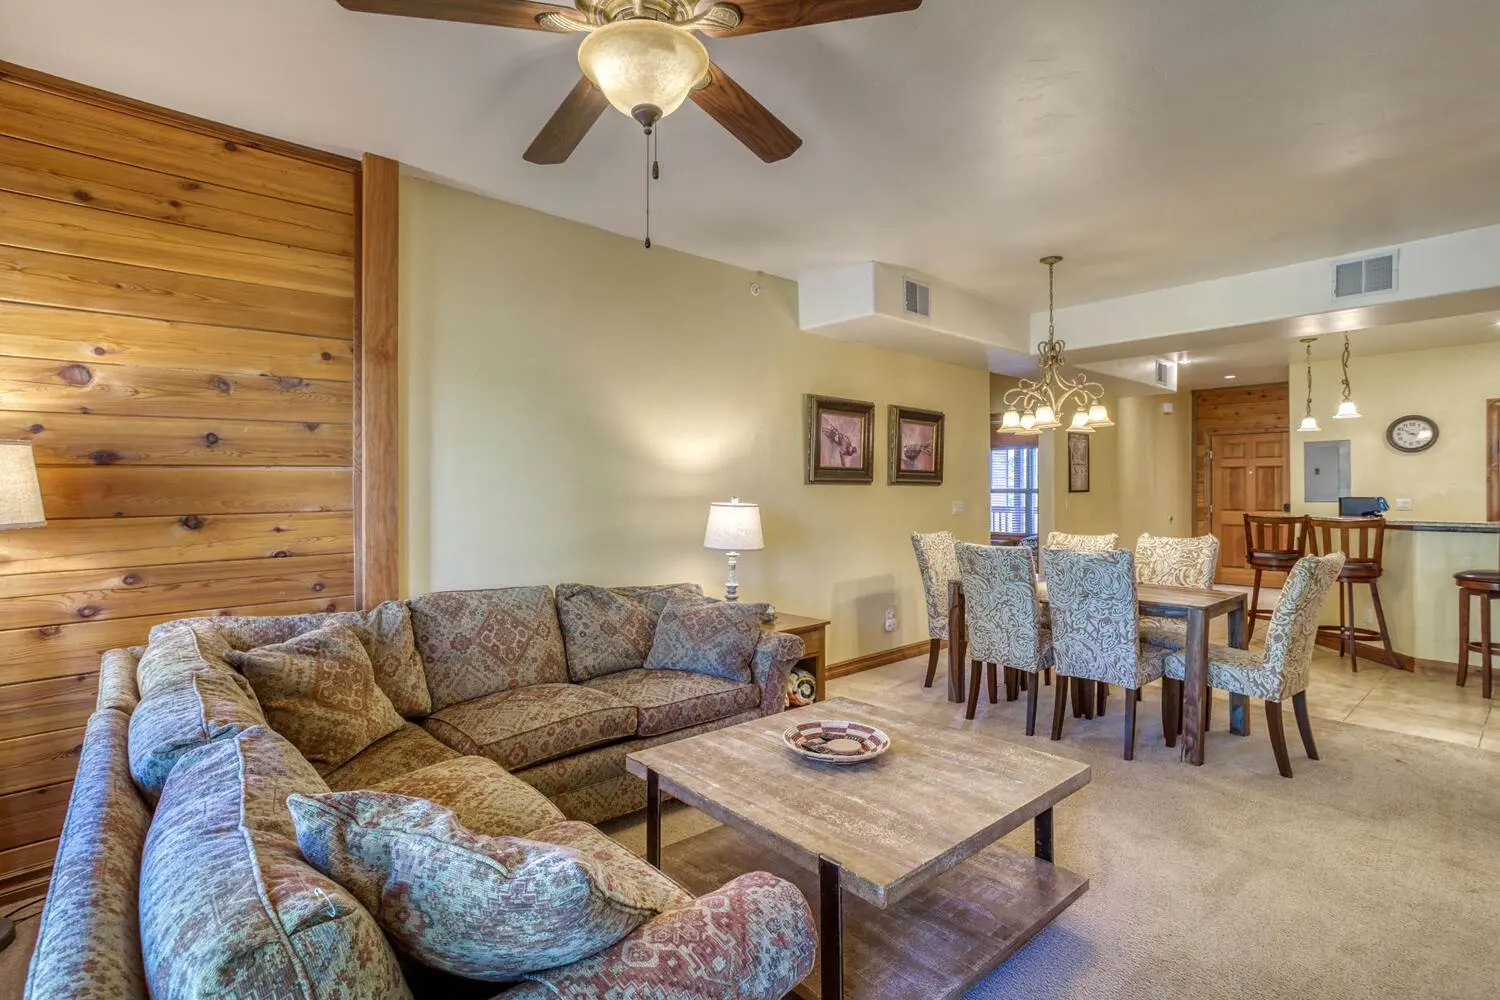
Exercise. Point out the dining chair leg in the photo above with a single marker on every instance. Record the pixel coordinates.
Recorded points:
(1102, 699)
(1047, 676)
(1304, 724)
(1278, 738)
(1025, 680)
(1171, 709)
(1254, 607)
(1089, 697)
(1208, 711)
(1033, 694)
(1129, 726)
(1343, 589)
(1012, 683)
(932, 662)
(1075, 694)
(1059, 706)
(1463, 637)
(992, 669)
(974, 682)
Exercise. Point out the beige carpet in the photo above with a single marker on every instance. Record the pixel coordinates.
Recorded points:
(1375, 872)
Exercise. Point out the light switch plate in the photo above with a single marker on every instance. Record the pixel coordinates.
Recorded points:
(958, 506)
(1403, 503)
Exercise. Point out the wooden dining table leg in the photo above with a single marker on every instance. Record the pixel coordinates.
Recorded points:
(1195, 691)
(1239, 704)
(957, 653)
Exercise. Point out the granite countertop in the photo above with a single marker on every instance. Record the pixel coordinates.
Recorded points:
(1472, 527)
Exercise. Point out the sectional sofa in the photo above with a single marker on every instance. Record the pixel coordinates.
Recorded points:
(514, 708)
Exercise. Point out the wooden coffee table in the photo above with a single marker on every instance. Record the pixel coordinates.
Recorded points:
(897, 856)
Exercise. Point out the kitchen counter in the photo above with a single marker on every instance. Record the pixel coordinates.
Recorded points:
(1461, 527)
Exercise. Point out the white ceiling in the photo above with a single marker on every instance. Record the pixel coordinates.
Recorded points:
(1153, 142)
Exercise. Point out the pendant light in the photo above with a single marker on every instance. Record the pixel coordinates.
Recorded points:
(1037, 405)
(1309, 422)
(1347, 410)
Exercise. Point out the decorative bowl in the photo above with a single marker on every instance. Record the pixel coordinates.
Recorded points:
(832, 741)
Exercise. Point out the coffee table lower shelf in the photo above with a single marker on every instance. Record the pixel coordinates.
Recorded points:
(936, 943)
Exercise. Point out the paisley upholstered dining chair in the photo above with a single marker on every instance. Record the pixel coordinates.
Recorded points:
(1081, 543)
(1174, 562)
(1096, 630)
(1004, 620)
(1280, 671)
(939, 565)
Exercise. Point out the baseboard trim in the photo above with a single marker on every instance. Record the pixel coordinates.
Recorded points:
(1376, 654)
(884, 657)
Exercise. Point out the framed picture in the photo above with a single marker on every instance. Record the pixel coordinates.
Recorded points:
(1078, 463)
(916, 446)
(840, 440)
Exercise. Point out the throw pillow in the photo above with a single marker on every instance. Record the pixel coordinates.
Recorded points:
(318, 690)
(707, 637)
(609, 629)
(487, 908)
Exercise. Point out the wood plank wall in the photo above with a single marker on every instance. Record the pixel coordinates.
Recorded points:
(1237, 408)
(177, 340)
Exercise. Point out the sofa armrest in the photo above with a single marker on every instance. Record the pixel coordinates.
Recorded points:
(751, 940)
(775, 655)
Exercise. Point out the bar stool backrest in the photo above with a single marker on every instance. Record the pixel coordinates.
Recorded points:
(1273, 534)
(1360, 539)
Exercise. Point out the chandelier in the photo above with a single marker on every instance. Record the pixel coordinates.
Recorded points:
(1037, 405)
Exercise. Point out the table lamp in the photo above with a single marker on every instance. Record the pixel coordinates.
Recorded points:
(20, 507)
(733, 527)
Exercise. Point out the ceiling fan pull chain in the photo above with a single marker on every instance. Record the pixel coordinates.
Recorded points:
(648, 189)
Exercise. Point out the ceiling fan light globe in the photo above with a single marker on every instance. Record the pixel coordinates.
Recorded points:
(642, 63)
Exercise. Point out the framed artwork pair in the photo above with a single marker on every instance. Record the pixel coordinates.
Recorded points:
(840, 442)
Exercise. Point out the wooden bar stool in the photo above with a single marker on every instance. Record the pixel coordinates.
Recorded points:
(1362, 541)
(1272, 544)
(1485, 585)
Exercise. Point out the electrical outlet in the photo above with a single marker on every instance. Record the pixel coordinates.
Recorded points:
(958, 506)
(1369, 617)
(890, 620)
(1403, 503)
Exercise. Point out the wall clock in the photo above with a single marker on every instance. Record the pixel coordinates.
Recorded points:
(1412, 433)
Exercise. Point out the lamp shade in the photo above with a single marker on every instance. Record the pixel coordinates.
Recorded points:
(20, 493)
(734, 527)
(641, 63)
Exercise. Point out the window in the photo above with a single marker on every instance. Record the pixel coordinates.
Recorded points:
(1013, 490)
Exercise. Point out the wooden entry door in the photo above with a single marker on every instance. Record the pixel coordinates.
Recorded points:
(1250, 476)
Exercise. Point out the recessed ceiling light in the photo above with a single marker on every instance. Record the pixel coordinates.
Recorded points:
(1228, 378)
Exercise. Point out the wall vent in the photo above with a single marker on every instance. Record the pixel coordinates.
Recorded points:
(918, 299)
(1365, 276)
(1166, 375)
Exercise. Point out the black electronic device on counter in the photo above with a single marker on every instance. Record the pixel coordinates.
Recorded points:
(1362, 506)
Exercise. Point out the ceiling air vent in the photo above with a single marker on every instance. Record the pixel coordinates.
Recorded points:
(918, 299)
(1166, 375)
(1364, 277)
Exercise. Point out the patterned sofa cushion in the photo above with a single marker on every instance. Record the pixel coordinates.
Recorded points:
(707, 637)
(533, 724)
(485, 797)
(487, 908)
(645, 885)
(228, 907)
(318, 690)
(669, 700)
(606, 630)
(478, 642)
(88, 942)
(194, 698)
(385, 631)
(408, 749)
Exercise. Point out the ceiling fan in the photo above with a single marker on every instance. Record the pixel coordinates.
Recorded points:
(642, 57)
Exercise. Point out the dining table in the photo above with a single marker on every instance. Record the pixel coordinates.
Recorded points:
(1196, 607)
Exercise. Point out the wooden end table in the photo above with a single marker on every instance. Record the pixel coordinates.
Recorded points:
(814, 635)
(898, 857)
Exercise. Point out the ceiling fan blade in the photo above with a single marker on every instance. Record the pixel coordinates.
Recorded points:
(568, 124)
(745, 118)
(501, 13)
(774, 15)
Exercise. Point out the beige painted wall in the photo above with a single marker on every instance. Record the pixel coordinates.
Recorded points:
(1444, 483)
(1140, 476)
(572, 403)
